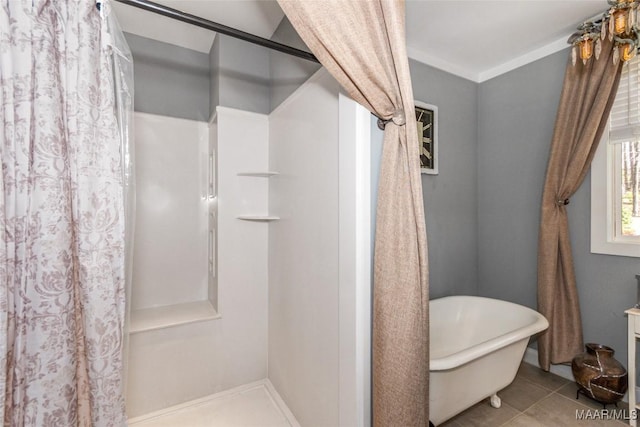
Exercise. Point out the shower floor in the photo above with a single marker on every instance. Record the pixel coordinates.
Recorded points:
(256, 404)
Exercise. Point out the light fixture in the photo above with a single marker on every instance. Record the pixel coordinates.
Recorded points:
(619, 23)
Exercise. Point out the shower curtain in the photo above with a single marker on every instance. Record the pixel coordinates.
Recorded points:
(64, 181)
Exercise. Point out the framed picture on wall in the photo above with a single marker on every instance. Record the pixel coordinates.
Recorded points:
(427, 118)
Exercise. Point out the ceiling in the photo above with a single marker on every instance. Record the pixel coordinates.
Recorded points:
(475, 39)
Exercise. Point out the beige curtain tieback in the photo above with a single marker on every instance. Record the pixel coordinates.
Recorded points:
(398, 118)
(564, 202)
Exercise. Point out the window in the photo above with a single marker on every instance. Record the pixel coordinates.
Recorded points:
(615, 173)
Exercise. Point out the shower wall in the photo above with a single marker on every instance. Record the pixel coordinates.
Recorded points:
(319, 255)
(303, 268)
(291, 303)
(170, 251)
(181, 348)
(191, 339)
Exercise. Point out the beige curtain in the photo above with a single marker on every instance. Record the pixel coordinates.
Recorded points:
(362, 44)
(61, 218)
(585, 103)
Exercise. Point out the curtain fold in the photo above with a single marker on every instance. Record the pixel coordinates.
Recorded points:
(62, 246)
(585, 103)
(362, 44)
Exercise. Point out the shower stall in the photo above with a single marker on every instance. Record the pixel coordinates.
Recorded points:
(252, 259)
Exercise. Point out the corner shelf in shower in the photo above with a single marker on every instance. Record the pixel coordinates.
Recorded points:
(259, 218)
(268, 174)
(149, 319)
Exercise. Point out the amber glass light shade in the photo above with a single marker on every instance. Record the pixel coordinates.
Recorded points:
(586, 49)
(620, 20)
(621, 23)
(627, 51)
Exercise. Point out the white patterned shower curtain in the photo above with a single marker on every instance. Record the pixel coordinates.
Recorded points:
(62, 215)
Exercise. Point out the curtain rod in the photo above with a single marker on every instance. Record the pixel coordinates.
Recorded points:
(218, 28)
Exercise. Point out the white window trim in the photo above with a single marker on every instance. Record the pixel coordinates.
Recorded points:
(602, 217)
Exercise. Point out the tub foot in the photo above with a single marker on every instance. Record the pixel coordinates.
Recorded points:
(496, 402)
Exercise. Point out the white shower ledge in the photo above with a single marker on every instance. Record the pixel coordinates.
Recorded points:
(149, 319)
(259, 218)
(266, 174)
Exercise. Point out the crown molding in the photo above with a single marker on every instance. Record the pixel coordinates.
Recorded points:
(482, 76)
(440, 64)
(534, 55)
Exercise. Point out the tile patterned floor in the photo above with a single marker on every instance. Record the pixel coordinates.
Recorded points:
(536, 399)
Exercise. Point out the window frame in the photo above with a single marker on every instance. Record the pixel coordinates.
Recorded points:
(606, 170)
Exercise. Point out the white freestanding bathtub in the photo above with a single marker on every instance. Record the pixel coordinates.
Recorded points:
(476, 346)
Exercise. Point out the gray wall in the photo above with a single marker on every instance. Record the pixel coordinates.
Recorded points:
(451, 197)
(239, 75)
(255, 78)
(169, 80)
(184, 83)
(516, 116)
(287, 72)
